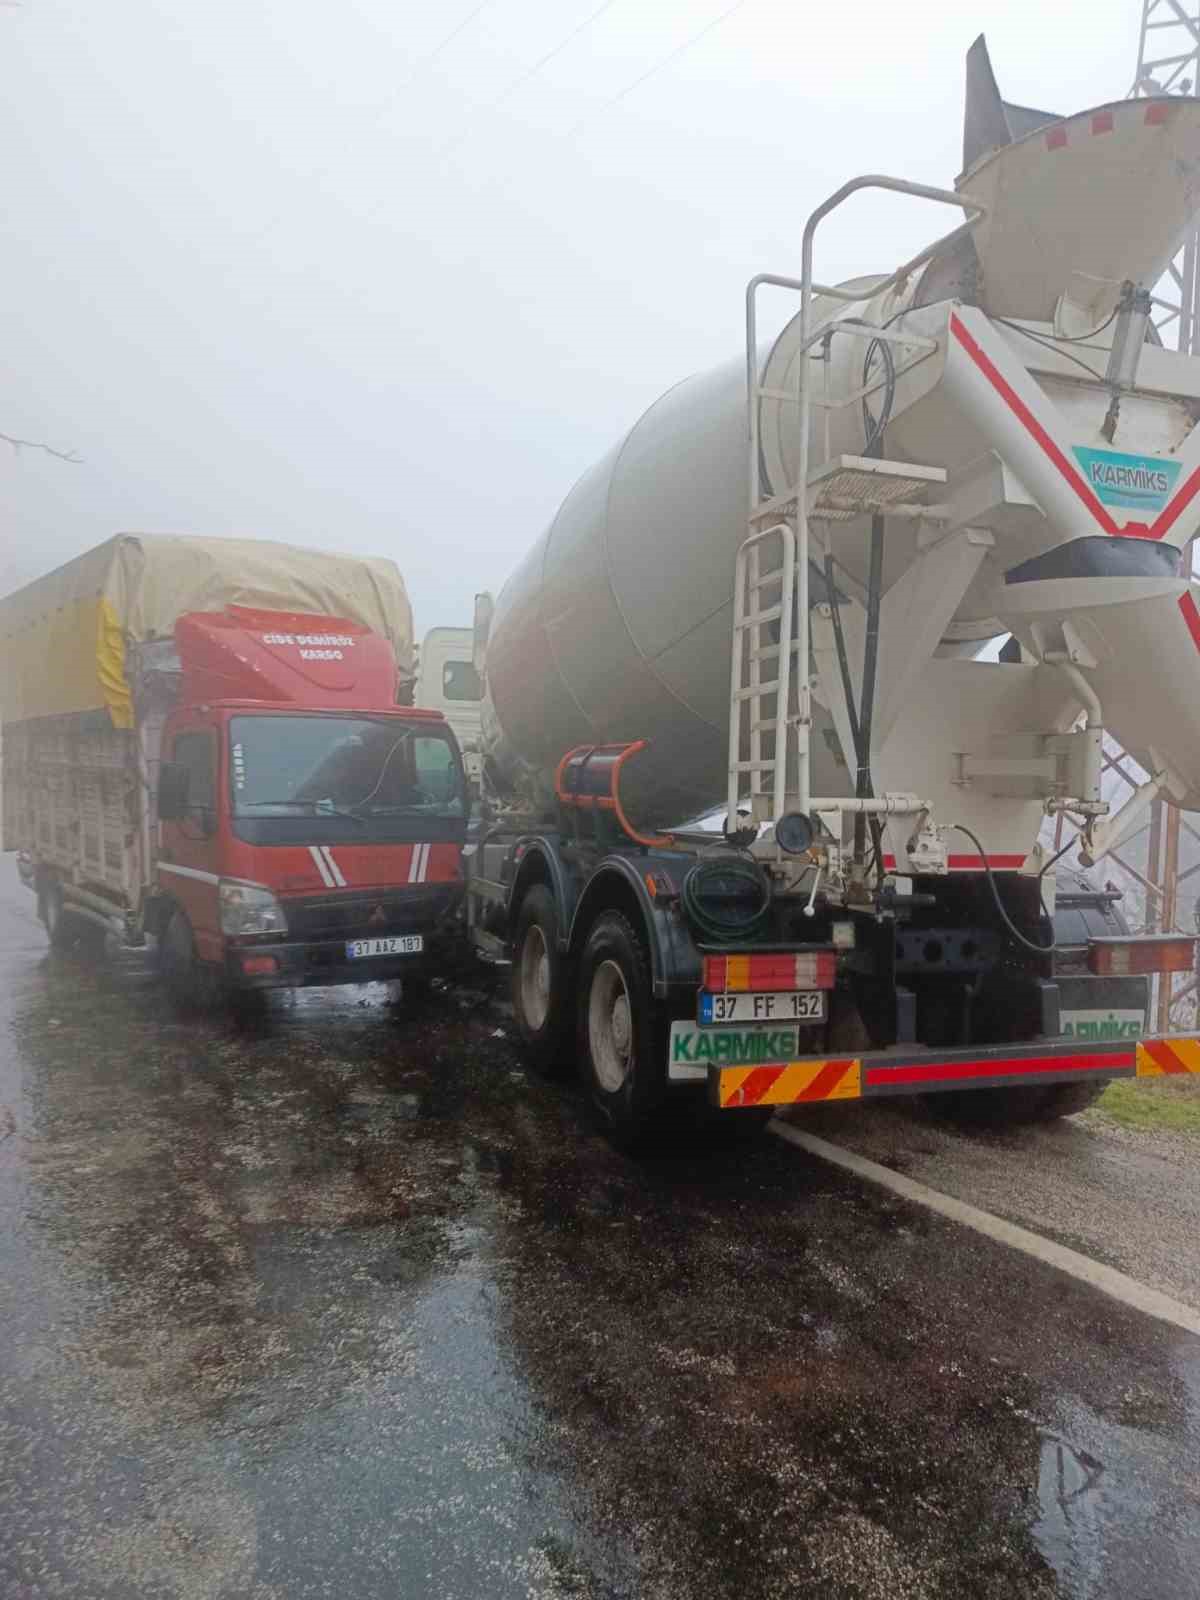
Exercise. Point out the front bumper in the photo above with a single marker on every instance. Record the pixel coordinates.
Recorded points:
(886, 1073)
(320, 927)
(298, 964)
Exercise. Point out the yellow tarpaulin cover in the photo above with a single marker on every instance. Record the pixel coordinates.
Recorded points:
(63, 638)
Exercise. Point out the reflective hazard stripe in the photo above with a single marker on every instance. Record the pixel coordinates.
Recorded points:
(917, 1072)
(420, 863)
(333, 866)
(790, 1083)
(1163, 1058)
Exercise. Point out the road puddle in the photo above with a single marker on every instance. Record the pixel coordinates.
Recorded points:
(1104, 1506)
(1071, 1519)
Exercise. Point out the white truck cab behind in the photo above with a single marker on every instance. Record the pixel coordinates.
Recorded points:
(447, 681)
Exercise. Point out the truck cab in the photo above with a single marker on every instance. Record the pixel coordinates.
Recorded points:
(309, 830)
(449, 681)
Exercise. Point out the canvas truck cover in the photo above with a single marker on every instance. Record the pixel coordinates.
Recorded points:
(63, 638)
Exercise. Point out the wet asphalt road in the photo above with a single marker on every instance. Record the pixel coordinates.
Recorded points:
(336, 1301)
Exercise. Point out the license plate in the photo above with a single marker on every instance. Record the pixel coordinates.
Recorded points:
(796, 1005)
(406, 944)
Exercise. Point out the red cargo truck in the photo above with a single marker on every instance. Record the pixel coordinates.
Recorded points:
(247, 789)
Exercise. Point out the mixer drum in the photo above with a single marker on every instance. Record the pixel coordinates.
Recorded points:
(616, 626)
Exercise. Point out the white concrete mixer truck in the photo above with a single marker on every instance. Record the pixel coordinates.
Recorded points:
(778, 592)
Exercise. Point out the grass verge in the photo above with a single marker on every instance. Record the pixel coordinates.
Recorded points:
(1153, 1104)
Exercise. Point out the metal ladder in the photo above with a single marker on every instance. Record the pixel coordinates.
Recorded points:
(839, 490)
(750, 693)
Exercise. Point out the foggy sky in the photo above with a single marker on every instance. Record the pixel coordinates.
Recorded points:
(272, 272)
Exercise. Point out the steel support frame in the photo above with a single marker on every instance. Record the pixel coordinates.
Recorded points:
(1168, 62)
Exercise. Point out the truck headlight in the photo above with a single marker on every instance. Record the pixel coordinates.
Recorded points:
(247, 909)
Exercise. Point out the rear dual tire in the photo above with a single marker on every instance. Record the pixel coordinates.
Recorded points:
(620, 1035)
(65, 929)
(604, 1007)
(1021, 1106)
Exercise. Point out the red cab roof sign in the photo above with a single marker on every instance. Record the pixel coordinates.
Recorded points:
(284, 657)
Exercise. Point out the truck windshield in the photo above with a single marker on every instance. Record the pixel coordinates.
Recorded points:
(379, 776)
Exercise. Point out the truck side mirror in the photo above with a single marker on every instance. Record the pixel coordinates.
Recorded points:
(174, 782)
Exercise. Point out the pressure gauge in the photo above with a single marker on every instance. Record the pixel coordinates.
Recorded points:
(794, 833)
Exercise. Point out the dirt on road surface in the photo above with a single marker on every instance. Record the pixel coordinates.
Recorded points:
(337, 1300)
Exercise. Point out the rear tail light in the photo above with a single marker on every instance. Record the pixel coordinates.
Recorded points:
(1121, 958)
(779, 970)
(259, 966)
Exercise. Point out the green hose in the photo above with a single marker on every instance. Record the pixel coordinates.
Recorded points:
(725, 876)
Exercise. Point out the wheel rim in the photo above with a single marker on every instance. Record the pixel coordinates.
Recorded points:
(610, 1027)
(535, 977)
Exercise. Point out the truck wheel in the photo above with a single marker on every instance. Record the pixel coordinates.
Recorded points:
(65, 930)
(189, 982)
(538, 984)
(624, 1059)
(54, 916)
(1021, 1106)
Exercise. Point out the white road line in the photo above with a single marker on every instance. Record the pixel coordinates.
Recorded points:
(1110, 1282)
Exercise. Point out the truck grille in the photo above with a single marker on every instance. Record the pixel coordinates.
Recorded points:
(365, 916)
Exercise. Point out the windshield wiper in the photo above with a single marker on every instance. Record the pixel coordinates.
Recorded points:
(392, 808)
(321, 808)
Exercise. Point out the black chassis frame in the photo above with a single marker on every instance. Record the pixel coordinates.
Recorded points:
(583, 878)
(582, 875)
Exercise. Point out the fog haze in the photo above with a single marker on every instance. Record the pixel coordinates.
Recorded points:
(324, 273)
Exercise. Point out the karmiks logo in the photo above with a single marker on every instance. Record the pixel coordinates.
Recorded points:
(1102, 1025)
(1138, 483)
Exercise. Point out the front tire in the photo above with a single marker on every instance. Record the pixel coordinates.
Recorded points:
(539, 989)
(191, 984)
(619, 1030)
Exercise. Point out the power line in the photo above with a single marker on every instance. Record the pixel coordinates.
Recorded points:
(667, 60)
(533, 71)
(462, 27)
(426, 62)
(385, 105)
(523, 78)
